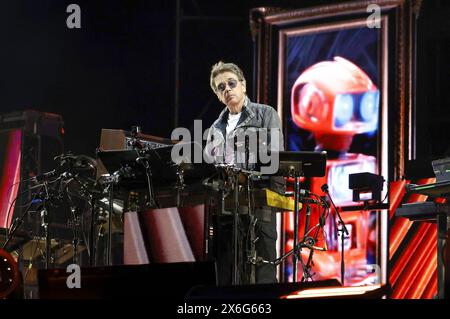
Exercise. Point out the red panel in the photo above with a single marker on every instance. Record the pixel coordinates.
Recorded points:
(401, 225)
(424, 276)
(397, 233)
(134, 250)
(193, 219)
(396, 193)
(414, 274)
(431, 289)
(420, 256)
(9, 174)
(407, 253)
(166, 236)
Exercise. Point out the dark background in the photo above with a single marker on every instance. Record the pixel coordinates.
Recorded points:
(118, 70)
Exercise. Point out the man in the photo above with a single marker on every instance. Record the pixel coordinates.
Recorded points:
(240, 114)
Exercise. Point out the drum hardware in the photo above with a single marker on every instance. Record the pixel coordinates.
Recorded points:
(151, 200)
(9, 274)
(71, 181)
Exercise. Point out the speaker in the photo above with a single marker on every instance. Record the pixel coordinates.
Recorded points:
(29, 140)
(169, 280)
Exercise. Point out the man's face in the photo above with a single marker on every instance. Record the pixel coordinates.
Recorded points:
(230, 91)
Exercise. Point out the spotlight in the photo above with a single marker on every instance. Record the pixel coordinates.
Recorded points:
(366, 186)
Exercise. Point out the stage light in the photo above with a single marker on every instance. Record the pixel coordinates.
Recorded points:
(366, 186)
(333, 292)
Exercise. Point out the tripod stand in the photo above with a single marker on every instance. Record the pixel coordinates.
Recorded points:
(233, 176)
(296, 174)
(297, 165)
(44, 214)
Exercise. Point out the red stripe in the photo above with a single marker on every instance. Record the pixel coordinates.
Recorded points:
(431, 289)
(402, 225)
(397, 234)
(407, 253)
(396, 193)
(420, 255)
(429, 265)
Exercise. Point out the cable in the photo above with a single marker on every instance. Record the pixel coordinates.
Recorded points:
(385, 197)
(30, 265)
(11, 231)
(17, 197)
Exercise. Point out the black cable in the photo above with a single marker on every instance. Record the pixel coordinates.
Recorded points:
(308, 267)
(15, 199)
(13, 230)
(315, 230)
(385, 197)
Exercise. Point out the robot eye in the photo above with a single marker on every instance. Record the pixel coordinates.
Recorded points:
(369, 106)
(343, 109)
(312, 104)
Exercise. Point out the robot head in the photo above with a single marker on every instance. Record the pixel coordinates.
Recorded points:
(335, 100)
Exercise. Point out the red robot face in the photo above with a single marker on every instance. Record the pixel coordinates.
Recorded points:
(335, 98)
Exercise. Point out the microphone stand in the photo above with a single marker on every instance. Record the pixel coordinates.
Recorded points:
(111, 210)
(45, 223)
(235, 279)
(252, 256)
(308, 214)
(307, 217)
(94, 197)
(92, 242)
(296, 219)
(235, 265)
(342, 229)
(148, 172)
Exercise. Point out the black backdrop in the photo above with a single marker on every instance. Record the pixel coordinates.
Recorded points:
(118, 70)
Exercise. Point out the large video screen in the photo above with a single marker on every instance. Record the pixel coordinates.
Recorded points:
(332, 87)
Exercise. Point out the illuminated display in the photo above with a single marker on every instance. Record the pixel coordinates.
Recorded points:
(10, 159)
(331, 100)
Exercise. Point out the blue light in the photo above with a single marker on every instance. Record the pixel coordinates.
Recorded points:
(343, 109)
(369, 106)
